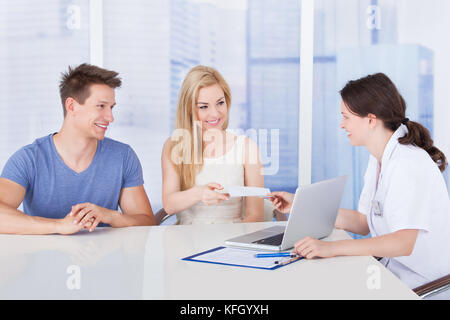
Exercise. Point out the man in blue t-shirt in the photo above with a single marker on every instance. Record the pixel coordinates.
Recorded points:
(76, 178)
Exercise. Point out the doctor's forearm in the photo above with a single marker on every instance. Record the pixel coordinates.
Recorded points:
(352, 221)
(400, 243)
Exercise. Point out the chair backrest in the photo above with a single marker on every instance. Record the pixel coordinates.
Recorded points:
(162, 218)
(432, 288)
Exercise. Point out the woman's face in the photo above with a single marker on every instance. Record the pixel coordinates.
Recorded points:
(212, 109)
(357, 127)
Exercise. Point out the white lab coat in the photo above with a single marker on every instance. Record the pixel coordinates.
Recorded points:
(411, 194)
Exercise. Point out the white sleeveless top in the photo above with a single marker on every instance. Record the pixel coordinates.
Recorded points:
(227, 170)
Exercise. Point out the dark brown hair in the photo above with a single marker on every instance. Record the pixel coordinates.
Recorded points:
(377, 94)
(75, 83)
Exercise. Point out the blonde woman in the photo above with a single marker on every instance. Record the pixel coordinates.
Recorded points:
(201, 157)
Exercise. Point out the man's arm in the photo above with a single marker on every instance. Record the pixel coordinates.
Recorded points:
(136, 211)
(13, 221)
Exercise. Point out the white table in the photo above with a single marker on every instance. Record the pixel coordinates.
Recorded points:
(145, 263)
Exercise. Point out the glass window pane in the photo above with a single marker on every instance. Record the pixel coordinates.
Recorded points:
(38, 41)
(401, 38)
(254, 45)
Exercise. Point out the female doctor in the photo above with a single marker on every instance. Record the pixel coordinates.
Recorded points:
(404, 203)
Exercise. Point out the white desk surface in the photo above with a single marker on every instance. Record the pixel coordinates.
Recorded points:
(145, 263)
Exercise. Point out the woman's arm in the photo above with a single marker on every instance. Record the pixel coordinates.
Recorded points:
(175, 200)
(352, 221)
(399, 243)
(253, 177)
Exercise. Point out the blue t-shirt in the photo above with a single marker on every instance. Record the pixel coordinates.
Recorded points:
(52, 188)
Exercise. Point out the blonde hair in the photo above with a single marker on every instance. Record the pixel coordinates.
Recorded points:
(189, 150)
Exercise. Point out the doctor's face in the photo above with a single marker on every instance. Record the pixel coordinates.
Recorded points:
(357, 127)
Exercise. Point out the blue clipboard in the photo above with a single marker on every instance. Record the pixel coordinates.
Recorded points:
(240, 258)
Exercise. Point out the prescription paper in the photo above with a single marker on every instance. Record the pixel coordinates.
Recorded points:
(240, 258)
(239, 191)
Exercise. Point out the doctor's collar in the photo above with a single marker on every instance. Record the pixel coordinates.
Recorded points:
(401, 131)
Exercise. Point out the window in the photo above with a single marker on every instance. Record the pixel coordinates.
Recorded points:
(249, 43)
(254, 44)
(405, 40)
(37, 42)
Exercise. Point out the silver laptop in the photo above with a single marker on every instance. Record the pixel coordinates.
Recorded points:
(313, 214)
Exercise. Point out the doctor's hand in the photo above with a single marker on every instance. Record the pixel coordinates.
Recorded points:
(282, 200)
(83, 213)
(209, 197)
(311, 248)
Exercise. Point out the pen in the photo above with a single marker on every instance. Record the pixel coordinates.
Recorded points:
(274, 255)
(281, 263)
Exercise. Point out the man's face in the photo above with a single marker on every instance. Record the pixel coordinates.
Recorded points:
(93, 117)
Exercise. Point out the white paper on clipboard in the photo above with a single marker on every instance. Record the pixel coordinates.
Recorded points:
(240, 258)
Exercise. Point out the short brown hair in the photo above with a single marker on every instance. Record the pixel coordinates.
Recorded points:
(75, 83)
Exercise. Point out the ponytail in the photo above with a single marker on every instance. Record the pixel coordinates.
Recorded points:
(419, 136)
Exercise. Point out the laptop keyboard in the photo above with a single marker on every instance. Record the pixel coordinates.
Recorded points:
(273, 240)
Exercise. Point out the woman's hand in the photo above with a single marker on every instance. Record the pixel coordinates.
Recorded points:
(210, 197)
(311, 248)
(282, 200)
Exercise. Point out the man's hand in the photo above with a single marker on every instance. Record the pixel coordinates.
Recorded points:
(83, 213)
(67, 225)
